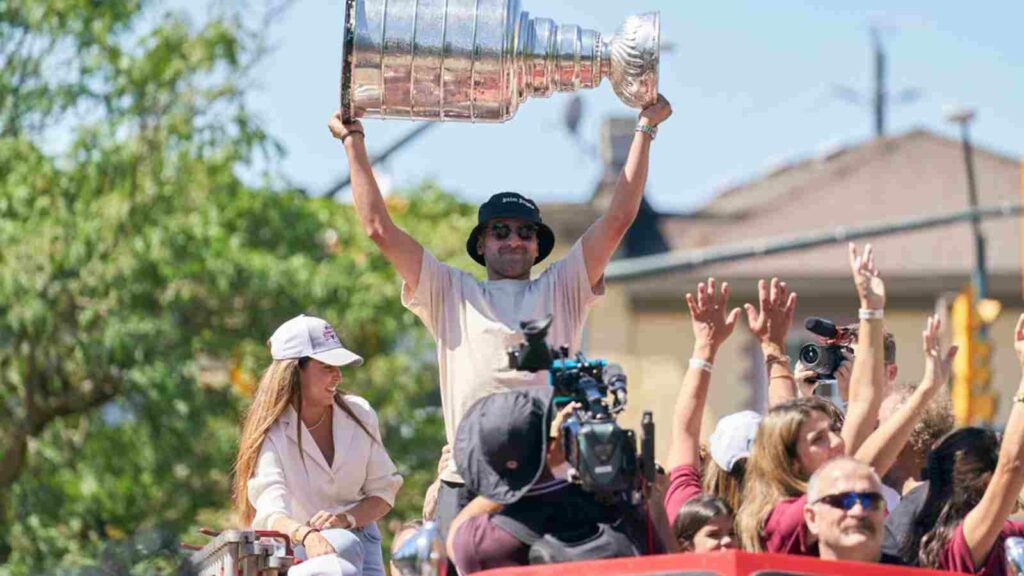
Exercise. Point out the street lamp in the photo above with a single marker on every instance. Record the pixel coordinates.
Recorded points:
(963, 117)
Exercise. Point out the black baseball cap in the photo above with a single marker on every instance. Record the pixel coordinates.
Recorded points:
(501, 443)
(511, 205)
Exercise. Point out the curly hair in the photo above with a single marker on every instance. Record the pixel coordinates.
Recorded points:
(936, 420)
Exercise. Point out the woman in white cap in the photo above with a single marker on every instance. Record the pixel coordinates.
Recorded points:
(310, 460)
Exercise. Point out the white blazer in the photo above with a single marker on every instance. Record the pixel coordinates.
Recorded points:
(298, 486)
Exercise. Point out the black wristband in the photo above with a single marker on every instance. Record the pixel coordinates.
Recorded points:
(351, 132)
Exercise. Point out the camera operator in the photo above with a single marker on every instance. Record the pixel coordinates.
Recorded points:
(508, 449)
(808, 380)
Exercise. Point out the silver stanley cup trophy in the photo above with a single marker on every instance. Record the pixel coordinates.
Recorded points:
(477, 60)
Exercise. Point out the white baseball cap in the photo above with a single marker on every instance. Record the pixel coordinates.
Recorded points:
(309, 336)
(733, 437)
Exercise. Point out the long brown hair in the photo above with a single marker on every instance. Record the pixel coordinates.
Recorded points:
(728, 486)
(771, 474)
(959, 470)
(279, 387)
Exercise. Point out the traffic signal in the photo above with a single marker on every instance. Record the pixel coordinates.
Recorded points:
(973, 399)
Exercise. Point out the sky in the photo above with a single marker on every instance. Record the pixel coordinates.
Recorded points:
(752, 85)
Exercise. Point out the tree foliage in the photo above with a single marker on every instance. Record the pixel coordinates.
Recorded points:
(140, 278)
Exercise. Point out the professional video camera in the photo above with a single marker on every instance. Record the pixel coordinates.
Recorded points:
(825, 358)
(602, 454)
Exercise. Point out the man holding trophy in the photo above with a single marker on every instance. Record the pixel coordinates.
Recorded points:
(508, 57)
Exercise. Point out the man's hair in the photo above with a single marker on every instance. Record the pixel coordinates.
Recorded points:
(890, 342)
(814, 484)
(936, 421)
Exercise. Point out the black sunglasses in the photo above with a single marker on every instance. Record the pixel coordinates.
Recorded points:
(502, 231)
(847, 500)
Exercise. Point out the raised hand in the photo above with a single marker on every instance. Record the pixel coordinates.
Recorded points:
(870, 286)
(771, 321)
(340, 129)
(937, 363)
(656, 113)
(710, 316)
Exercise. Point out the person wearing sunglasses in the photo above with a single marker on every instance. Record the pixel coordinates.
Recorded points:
(845, 510)
(474, 322)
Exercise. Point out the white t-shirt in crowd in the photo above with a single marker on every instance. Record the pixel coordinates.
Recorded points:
(475, 323)
(892, 497)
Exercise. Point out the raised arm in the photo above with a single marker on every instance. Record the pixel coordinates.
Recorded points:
(712, 323)
(983, 524)
(401, 249)
(868, 376)
(770, 323)
(602, 239)
(883, 446)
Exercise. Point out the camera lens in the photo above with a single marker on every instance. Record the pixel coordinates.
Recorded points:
(809, 355)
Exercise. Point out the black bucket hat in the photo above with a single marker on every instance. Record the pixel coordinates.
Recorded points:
(511, 205)
(501, 443)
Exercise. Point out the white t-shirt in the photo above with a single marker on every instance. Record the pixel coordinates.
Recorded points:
(476, 323)
(892, 497)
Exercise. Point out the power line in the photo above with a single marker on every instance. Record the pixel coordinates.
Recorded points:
(687, 260)
(409, 136)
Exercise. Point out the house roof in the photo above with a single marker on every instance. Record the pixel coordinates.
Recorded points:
(911, 175)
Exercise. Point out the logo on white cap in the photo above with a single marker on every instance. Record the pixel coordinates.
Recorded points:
(308, 336)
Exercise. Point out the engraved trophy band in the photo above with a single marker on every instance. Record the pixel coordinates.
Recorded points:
(477, 60)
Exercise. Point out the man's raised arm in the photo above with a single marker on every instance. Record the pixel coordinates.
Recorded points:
(401, 249)
(603, 237)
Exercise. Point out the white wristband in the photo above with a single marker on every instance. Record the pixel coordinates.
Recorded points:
(868, 314)
(701, 364)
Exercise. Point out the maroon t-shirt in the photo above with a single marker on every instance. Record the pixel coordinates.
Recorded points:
(785, 531)
(957, 556)
(684, 485)
(479, 544)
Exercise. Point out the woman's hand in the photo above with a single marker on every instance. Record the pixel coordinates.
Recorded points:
(937, 362)
(770, 323)
(711, 318)
(316, 545)
(870, 287)
(323, 520)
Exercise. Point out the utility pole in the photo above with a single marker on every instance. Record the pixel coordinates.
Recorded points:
(963, 118)
(880, 100)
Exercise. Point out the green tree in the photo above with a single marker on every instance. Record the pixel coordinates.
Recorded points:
(140, 277)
